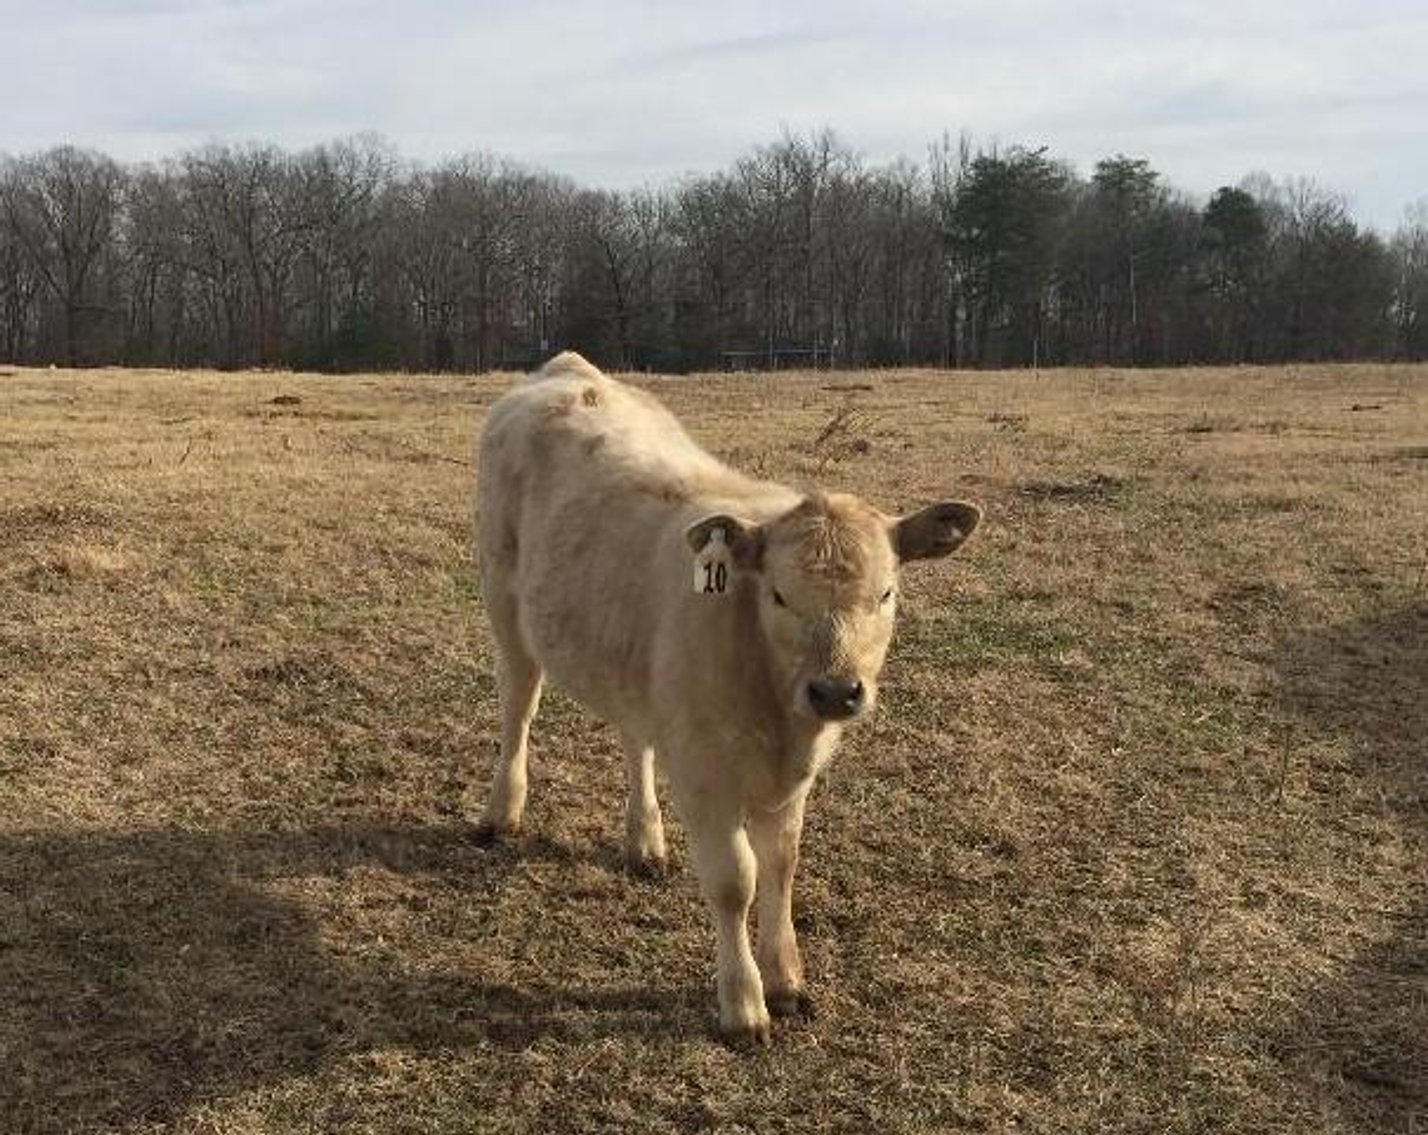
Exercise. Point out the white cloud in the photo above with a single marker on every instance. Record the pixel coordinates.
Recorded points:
(628, 91)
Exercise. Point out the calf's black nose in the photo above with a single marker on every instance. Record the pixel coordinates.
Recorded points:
(833, 698)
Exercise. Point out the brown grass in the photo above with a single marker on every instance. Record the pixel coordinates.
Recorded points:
(1136, 843)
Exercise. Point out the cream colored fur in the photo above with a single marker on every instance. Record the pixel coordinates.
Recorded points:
(587, 494)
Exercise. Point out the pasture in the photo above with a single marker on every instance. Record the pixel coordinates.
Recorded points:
(1136, 841)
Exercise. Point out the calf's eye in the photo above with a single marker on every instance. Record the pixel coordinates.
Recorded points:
(778, 599)
(886, 595)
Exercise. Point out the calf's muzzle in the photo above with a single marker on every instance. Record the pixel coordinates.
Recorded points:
(836, 698)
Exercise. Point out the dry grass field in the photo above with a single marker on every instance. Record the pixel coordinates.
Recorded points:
(1137, 841)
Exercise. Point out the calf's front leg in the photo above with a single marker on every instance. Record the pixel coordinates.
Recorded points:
(775, 837)
(725, 864)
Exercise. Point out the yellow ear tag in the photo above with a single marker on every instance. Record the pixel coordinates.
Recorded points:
(713, 565)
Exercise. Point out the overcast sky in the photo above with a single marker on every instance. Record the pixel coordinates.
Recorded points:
(629, 92)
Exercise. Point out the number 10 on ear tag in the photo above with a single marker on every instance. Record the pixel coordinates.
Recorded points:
(713, 565)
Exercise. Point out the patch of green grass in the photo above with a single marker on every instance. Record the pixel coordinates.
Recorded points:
(992, 635)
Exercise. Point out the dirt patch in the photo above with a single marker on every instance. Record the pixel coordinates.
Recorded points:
(1096, 488)
(34, 521)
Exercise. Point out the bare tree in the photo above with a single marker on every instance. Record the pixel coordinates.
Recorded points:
(334, 209)
(242, 232)
(949, 168)
(1330, 287)
(61, 209)
(21, 285)
(541, 245)
(709, 223)
(1409, 251)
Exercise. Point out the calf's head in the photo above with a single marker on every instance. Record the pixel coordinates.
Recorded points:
(826, 579)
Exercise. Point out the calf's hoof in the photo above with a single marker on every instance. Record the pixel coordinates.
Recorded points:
(744, 1020)
(488, 834)
(793, 1004)
(757, 1034)
(647, 866)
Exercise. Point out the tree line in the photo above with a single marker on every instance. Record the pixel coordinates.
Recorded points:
(344, 257)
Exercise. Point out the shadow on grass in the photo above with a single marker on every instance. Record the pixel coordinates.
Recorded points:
(146, 972)
(1360, 1043)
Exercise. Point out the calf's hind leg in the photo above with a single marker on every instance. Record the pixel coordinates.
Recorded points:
(644, 828)
(519, 678)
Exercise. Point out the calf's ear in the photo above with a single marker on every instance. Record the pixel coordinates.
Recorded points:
(745, 540)
(935, 531)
